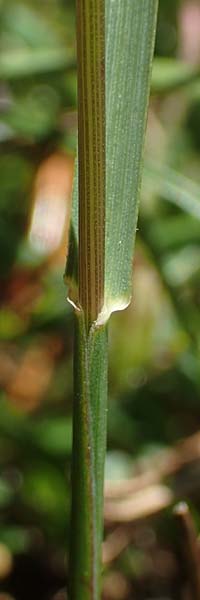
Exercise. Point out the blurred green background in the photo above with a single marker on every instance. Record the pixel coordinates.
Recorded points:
(154, 374)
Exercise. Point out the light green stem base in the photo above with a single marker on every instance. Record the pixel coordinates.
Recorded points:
(89, 443)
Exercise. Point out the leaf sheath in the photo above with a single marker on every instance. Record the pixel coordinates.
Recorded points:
(89, 442)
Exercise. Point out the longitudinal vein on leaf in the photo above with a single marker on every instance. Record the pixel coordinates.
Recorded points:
(91, 146)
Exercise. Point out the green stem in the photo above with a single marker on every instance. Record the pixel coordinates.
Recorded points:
(89, 442)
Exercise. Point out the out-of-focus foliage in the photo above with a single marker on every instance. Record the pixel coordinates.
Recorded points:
(154, 345)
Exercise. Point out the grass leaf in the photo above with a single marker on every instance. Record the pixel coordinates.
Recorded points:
(174, 187)
(25, 62)
(129, 52)
(129, 40)
(169, 74)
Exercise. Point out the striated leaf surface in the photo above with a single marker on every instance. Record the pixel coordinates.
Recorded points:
(129, 41)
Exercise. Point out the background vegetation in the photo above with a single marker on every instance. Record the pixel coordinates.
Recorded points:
(154, 377)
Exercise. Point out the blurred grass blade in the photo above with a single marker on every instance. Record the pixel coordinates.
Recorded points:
(174, 187)
(175, 231)
(169, 74)
(25, 62)
(28, 25)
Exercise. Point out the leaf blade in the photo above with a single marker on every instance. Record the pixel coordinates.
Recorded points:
(129, 26)
(129, 53)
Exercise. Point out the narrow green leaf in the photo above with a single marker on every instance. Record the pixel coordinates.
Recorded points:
(129, 42)
(169, 74)
(25, 62)
(130, 29)
(174, 231)
(28, 25)
(174, 187)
